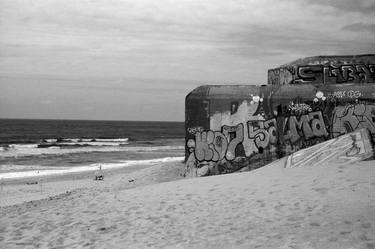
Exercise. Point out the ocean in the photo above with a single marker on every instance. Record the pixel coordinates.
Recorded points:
(29, 146)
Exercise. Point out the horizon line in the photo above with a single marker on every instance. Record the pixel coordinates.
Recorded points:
(100, 120)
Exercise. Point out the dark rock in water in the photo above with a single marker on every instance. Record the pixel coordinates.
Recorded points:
(32, 183)
(47, 145)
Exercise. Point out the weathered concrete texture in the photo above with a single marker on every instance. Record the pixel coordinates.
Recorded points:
(325, 70)
(231, 127)
(346, 149)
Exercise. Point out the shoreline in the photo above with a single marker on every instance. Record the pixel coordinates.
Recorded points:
(81, 169)
(25, 189)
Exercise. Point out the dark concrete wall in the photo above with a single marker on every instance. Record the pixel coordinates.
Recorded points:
(325, 70)
(231, 127)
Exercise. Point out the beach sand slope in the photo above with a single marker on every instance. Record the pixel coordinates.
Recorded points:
(325, 206)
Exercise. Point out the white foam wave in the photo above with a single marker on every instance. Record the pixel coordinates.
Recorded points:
(23, 146)
(91, 167)
(109, 140)
(57, 150)
(95, 143)
(51, 140)
(85, 141)
(13, 168)
(76, 140)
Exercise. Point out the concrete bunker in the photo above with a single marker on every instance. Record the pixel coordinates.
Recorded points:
(233, 127)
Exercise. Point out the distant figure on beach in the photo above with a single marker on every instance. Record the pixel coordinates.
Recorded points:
(98, 174)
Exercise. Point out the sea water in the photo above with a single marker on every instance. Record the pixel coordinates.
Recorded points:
(29, 147)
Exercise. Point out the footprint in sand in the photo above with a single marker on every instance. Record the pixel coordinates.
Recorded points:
(333, 239)
(366, 225)
(105, 229)
(295, 218)
(279, 206)
(345, 232)
(188, 196)
(347, 222)
(364, 237)
(321, 190)
(171, 208)
(261, 203)
(315, 224)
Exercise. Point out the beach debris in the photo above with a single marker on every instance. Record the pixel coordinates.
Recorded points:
(99, 178)
(98, 174)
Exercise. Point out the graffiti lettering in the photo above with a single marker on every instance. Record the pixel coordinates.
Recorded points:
(210, 146)
(335, 74)
(354, 94)
(299, 109)
(262, 133)
(203, 145)
(338, 94)
(235, 135)
(351, 117)
(194, 130)
(310, 125)
(310, 73)
(215, 146)
(345, 94)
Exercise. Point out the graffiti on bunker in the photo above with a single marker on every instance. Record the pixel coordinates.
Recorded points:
(306, 102)
(325, 70)
(353, 116)
(264, 126)
(316, 74)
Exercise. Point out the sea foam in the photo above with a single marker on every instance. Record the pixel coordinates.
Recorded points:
(39, 171)
(33, 150)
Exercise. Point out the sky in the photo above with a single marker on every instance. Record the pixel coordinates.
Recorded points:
(138, 59)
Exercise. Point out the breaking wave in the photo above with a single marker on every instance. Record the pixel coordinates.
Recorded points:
(21, 150)
(68, 142)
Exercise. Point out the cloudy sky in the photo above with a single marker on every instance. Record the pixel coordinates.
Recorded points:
(137, 59)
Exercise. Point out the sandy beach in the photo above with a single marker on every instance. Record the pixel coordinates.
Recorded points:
(327, 206)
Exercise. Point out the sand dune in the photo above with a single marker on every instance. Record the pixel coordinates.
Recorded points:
(327, 206)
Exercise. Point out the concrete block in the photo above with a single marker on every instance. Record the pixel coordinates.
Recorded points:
(346, 149)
